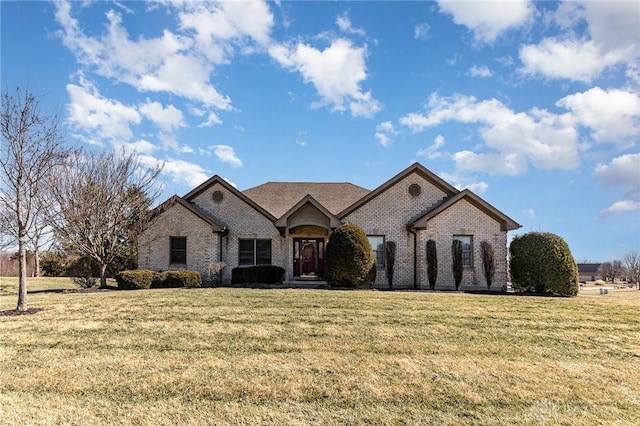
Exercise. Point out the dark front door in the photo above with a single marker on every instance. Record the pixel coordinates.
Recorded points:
(308, 257)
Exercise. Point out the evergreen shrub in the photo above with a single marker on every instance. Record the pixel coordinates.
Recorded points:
(176, 279)
(541, 262)
(348, 257)
(261, 274)
(135, 279)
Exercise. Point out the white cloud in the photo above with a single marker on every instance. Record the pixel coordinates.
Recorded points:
(623, 171)
(620, 207)
(512, 164)
(336, 72)
(141, 147)
(383, 132)
(344, 23)
(613, 115)
(226, 154)
(218, 23)
(488, 21)
(169, 141)
(168, 63)
(596, 36)
(421, 31)
(480, 71)
(100, 116)
(575, 60)
(383, 139)
(530, 213)
(168, 119)
(459, 181)
(180, 171)
(212, 119)
(433, 151)
(538, 137)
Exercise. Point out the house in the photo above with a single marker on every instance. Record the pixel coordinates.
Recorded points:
(589, 272)
(289, 225)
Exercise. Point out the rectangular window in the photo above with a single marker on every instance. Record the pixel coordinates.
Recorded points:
(467, 249)
(178, 250)
(377, 245)
(254, 252)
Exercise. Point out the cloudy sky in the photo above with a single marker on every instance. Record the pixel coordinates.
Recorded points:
(533, 106)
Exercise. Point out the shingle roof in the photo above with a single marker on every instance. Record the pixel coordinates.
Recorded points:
(278, 197)
(588, 268)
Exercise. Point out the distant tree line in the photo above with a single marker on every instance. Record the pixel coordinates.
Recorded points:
(627, 269)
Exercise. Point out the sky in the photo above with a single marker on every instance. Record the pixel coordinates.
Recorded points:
(533, 106)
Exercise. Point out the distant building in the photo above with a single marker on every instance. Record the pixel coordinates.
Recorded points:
(589, 272)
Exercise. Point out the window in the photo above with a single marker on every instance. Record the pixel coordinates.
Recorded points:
(377, 245)
(254, 252)
(178, 250)
(467, 249)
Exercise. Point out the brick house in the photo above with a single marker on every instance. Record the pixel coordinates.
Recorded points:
(289, 224)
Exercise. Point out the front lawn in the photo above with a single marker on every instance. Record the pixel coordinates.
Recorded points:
(239, 356)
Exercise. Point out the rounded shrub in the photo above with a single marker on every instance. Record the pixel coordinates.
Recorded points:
(541, 262)
(135, 279)
(348, 257)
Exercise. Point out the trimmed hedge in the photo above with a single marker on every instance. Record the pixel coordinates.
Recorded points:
(135, 280)
(264, 274)
(174, 279)
(143, 279)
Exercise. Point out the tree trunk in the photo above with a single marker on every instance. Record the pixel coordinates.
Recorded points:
(36, 257)
(103, 276)
(22, 274)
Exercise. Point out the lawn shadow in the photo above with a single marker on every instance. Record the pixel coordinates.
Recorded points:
(15, 312)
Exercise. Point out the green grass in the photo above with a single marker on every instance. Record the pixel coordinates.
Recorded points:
(236, 356)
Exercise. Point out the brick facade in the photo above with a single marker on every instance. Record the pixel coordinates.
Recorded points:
(177, 221)
(395, 210)
(388, 214)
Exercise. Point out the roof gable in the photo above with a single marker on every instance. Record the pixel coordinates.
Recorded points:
(278, 198)
(218, 180)
(308, 199)
(506, 223)
(192, 208)
(414, 168)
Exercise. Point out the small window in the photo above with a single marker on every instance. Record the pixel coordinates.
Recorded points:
(178, 250)
(467, 249)
(377, 245)
(254, 252)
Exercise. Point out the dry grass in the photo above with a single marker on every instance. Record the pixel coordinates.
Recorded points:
(233, 356)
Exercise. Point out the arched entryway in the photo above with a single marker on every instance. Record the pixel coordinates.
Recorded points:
(308, 251)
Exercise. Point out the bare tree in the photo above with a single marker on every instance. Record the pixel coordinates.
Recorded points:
(617, 270)
(488, 262)
(632, 263)
(31, 148)
(606, 270)
(102, 199)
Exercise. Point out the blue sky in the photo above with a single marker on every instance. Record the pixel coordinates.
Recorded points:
(533, 106)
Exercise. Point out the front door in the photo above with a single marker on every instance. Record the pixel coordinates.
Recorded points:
(308, 257)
